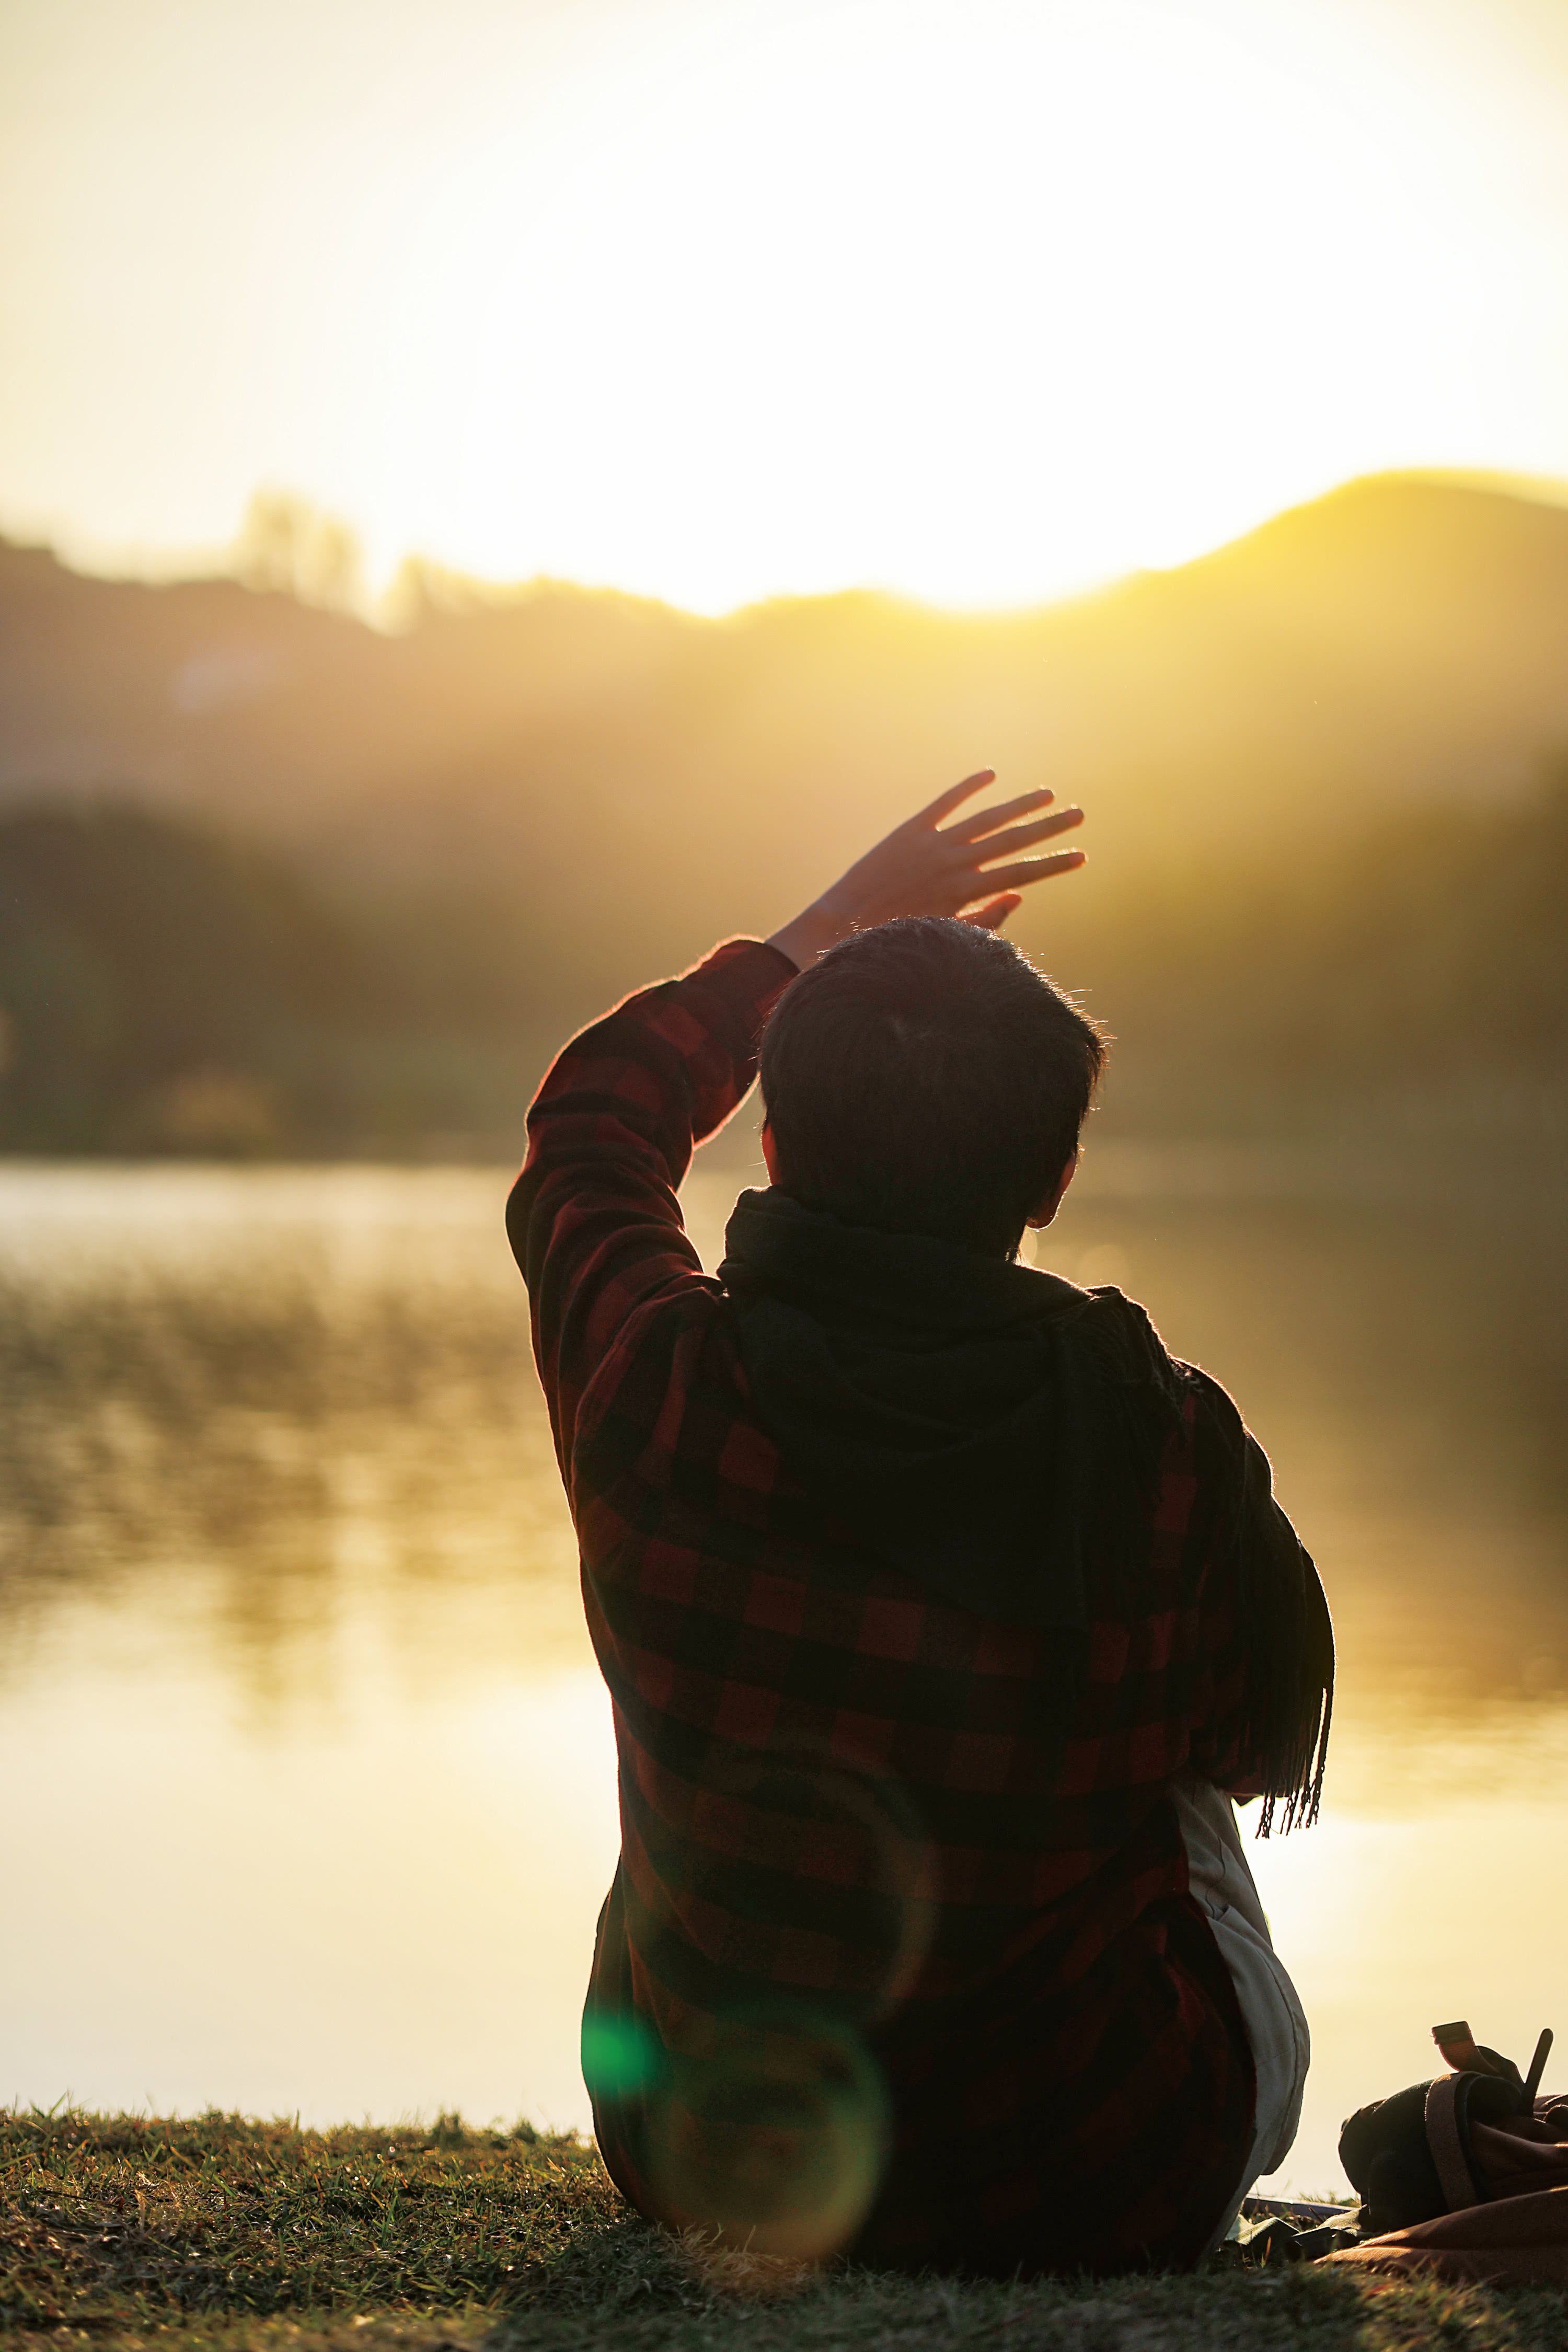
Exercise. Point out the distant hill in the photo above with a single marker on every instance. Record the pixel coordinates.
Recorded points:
(1314, 763)
(611, 766)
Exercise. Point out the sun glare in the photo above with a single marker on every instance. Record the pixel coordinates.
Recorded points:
(977, 309)
(981, 302)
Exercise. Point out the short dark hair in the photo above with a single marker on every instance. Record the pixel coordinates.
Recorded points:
(923, 1077)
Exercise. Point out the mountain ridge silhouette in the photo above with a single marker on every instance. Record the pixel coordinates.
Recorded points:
(624, 781)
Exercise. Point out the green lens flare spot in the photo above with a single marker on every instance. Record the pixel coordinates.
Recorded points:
(620, 2055)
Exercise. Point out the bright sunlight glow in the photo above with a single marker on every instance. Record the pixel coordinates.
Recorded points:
(981, 299)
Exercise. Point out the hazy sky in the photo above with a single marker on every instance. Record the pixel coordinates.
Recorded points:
(981, 299)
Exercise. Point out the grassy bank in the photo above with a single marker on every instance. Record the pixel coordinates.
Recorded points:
(120, 2230)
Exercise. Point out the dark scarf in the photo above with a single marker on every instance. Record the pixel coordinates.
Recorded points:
(961, 1414)
(996, 1434)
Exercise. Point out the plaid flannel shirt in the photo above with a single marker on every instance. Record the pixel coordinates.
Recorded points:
(1069, 2082)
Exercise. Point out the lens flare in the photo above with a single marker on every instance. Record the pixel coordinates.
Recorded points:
(763, 2122)
(771, 2133)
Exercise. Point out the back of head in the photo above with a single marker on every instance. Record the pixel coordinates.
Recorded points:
(923, 1077)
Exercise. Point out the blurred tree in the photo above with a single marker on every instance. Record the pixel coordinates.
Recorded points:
(289, 546)
(163, 988)
(1430, 960)
(137, 957)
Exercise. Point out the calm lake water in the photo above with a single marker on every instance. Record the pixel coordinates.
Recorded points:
(309, 1781)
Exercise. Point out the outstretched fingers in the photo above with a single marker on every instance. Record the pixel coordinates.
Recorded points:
(954, 796)
(983, 821)
(1025, 870)
(1023, 837)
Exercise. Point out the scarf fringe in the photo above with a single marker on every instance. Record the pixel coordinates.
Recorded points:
(1288, 1636)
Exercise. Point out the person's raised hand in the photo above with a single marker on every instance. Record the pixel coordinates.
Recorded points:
(974, 868)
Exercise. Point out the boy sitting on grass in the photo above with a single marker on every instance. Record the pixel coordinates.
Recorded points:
(937, 1606)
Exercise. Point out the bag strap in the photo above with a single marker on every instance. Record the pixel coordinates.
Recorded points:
(1448, 2148)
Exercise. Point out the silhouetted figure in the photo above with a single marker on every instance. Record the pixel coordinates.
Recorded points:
(937, 1603)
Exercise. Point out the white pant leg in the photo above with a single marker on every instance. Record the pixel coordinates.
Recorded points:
(1275, 2027)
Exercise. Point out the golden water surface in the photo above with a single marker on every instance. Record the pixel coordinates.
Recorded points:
(308, 1782)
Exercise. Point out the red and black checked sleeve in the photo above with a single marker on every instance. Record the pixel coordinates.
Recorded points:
(592, 1219)
(1268, 1646)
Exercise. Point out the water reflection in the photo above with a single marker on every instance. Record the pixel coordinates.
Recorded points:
(1407, 1369)
(293, 1679)
(280, 1390)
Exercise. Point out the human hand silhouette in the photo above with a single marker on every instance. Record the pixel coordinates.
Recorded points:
(973, 869)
